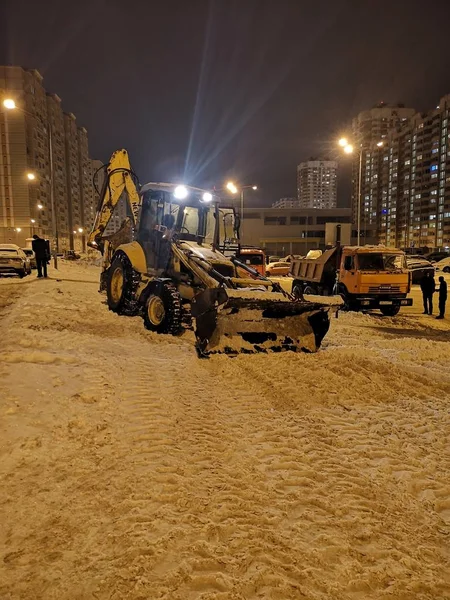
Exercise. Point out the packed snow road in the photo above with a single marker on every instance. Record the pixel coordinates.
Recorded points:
(130, 469)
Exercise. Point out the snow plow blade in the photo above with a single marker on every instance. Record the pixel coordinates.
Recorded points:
(240, 321)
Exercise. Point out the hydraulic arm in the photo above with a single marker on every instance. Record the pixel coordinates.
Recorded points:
(119, 179)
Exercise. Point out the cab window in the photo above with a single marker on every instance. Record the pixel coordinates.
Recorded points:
(349, 263)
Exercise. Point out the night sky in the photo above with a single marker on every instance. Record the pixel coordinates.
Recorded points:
(201, 91)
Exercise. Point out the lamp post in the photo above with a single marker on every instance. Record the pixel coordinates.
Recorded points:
(348, 148)
(10, 104)
(234, 190)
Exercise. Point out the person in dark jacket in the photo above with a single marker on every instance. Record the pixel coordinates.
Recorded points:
(41, 251)
(442, 297)
(428, 287)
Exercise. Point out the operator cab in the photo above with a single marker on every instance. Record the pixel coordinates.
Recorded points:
(170, 212)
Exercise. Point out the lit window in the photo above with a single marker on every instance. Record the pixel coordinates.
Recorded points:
(433, 168)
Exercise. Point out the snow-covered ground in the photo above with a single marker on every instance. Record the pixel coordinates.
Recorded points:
(130, 469)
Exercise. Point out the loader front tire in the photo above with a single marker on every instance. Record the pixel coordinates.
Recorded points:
(162, 311)
(119, 286)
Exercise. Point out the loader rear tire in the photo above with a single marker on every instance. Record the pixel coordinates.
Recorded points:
(162, 311)
(119, 286)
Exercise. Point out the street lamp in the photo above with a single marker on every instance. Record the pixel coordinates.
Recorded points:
(348, 149)
(10, 104)
(80, 230)
(231, 187)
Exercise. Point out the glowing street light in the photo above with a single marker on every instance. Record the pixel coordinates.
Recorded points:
(343, 142)
(40, 207)
(18, 229)
(9, 104)
(33, 220)
(254, 187)
(31, 176)
(380, 144)
(80, 230)
(231, 187)
(348, 149)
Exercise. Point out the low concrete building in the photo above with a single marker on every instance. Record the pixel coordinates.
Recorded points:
(283, 231)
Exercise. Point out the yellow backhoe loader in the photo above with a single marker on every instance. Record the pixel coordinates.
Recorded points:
(165, 264)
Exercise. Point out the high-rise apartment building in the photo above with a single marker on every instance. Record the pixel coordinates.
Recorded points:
(40, 146)
(317, 183)
(415, 182)
(56, 120)
(286, 203)
(370, 130)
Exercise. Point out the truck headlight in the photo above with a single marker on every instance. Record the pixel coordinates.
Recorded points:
(207, 197)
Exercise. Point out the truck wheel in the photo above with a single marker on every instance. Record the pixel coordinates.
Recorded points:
(297, 291)
(389, 311)
(309, 290)
(162, 311)
(119, 286)
(21, 274)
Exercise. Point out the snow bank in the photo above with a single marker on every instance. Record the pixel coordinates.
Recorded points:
(134, 470)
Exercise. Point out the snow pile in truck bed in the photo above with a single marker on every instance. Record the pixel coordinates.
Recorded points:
(131, 469)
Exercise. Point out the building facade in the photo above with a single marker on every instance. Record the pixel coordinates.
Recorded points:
(415, 210)
(283, 231)
(41, 151)
(286, 203)
(405, 180)
(370, 130)
(317, 184)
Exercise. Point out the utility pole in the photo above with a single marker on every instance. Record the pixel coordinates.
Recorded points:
(52, 200)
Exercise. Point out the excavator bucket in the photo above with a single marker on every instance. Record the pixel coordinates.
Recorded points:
(240, 321)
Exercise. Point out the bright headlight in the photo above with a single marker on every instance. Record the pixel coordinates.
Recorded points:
(180, 192)
(207, 197)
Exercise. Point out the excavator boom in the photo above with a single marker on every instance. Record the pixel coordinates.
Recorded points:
(119, 178)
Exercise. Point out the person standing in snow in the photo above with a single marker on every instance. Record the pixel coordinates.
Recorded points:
(40, 249)
(442, 297)
(428, 287)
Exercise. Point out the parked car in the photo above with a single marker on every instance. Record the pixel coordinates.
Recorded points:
(443, 265)
(278, 269)
(31, 256)
(437, 256)
(14, 261)
(418, 267)
(271, 259)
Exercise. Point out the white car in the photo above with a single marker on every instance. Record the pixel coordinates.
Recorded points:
(443, 265)
(13, 261)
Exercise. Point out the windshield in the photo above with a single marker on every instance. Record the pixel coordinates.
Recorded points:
(251, 259)
(375, 261)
